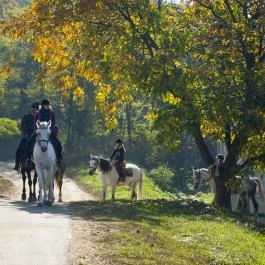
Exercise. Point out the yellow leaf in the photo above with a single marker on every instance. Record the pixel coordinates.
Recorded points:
(79, 92)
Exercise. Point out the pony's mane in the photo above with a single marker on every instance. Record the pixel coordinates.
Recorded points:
(43, 125)
(104, 165)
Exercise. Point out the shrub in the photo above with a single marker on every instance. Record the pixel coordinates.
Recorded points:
(8, 128)
(163, 177)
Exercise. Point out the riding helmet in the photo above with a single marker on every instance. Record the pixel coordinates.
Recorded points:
(35, 105)
(118, 141)
(220, 156)
(45, 102)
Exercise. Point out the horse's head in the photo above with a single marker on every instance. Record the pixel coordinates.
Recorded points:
(93, 164)
(43, 134)
(197, 178)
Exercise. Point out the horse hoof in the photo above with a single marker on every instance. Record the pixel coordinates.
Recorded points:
(60, 200)
(30, 199)
(40, 204)
(24, 197)
(49, 203)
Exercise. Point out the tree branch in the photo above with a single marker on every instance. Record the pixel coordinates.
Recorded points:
(203, 148)
(230, 10)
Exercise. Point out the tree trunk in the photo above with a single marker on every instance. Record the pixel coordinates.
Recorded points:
(223, 195)
(203, 148)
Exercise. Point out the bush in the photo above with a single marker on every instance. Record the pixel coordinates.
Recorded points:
(8, 128)
(163, 177)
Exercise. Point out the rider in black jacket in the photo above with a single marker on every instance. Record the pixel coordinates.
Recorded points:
(118, 156)
(27, 129)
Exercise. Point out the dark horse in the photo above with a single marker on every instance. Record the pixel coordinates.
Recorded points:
(26, 167)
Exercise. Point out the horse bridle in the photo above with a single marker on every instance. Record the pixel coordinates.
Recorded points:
(43, 140)
(94, 168)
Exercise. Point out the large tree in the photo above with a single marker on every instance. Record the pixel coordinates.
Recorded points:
(201, 63)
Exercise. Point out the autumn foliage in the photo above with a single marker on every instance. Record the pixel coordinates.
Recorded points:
(201, 62)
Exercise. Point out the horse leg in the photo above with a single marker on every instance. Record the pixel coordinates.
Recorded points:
(24, 196)
(235, 199)
(60, 188)
(30, 185)
(34, 185)
(133, 192)
(44, 179)
(104, 191)
(254, 201)
(51, 186)
(113, 190)
(244, 201)
(41, 186)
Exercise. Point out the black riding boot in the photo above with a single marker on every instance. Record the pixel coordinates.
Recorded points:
(30, 146)
(19, 152)
(16, 167)
(57, 148)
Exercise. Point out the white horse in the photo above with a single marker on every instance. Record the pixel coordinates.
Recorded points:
(45, 163)
(110, 177)
(246, 191)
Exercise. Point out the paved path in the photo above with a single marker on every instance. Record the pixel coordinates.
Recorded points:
(35, 236)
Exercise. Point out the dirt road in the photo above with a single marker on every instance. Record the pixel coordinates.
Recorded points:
(36, 236)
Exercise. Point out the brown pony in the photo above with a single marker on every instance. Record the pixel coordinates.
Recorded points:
(59, 178)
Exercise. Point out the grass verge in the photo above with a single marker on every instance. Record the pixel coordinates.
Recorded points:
(152, 232)
(163, 230)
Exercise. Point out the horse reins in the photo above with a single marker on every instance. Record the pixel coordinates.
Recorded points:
(43, 140)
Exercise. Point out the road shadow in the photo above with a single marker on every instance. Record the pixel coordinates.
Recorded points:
(32, 208)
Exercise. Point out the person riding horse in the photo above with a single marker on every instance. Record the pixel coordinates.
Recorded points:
(118, 156)
(27, 129)
(46, 114)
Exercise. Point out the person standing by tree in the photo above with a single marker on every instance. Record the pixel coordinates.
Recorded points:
(27, 129)
(217, 171)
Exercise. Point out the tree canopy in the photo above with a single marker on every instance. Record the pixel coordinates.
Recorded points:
(200, 62)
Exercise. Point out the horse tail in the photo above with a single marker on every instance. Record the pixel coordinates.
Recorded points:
(260, 189)
(140, 185)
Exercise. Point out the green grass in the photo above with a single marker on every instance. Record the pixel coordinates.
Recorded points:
(152, 232)
(5, 185)
(161, 230)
